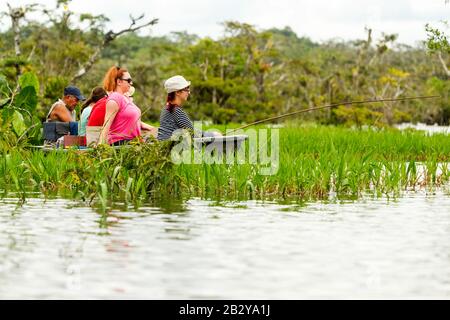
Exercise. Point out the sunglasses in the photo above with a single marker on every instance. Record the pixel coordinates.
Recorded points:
(129, 80)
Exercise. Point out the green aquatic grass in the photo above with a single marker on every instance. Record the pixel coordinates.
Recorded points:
(316, 162)
(102, 176)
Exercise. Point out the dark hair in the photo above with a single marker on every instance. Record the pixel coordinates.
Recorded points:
(170, 97)
(96, 94)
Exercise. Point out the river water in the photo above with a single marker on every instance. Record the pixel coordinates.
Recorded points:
(370, 248)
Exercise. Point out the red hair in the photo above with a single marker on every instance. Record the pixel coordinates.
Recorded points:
(110, 79)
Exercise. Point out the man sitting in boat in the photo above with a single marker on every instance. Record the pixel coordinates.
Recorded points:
(61, 117)
(173, 116)
(63, 110)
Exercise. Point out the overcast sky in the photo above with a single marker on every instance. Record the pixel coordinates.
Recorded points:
(318, 19)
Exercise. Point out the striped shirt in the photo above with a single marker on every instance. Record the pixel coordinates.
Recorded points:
(171, 121)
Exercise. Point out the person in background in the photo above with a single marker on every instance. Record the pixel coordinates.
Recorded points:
(173, 116)
(63, 110)
(122, 122)
(97, 116)
(86, 109)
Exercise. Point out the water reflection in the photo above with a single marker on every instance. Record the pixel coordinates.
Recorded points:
(250, 250)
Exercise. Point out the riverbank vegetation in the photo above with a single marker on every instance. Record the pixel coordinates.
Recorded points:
(316, 163)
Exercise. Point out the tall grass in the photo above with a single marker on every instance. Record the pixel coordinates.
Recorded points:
(102, 176)
(315, 163)
(318, 161)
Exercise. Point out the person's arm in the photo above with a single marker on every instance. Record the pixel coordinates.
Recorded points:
(149, 130)
(61, 113)
(146, 127)
(111, 111)
(217, 134)
(182, 120)
(211, 134)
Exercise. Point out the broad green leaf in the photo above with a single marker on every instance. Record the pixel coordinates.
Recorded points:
(34, 135)
(29, 79)
(7, 113)
(3, 86)
(18, 123)
(4, 102)
(27, 99)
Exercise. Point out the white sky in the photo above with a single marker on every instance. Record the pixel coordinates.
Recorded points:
(318, 19)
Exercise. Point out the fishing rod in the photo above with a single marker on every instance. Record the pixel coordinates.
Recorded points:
(330, 106)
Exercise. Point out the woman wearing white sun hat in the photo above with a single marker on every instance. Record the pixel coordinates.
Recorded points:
(173, 116)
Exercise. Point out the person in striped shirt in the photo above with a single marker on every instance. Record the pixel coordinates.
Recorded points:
(173, 116)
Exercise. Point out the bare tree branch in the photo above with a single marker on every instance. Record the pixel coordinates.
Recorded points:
(108, 38)
(17, 14)
(444, 65)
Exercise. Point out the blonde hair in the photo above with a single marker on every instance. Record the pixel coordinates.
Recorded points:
(110, 79)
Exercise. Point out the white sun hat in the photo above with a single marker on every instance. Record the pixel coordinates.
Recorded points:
(176, 83)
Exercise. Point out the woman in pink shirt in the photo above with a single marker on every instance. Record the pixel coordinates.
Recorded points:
(122, 117)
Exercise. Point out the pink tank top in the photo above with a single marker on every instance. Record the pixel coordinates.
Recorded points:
(127, 123)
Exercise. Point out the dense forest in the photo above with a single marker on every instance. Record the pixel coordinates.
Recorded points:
(245, 75)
